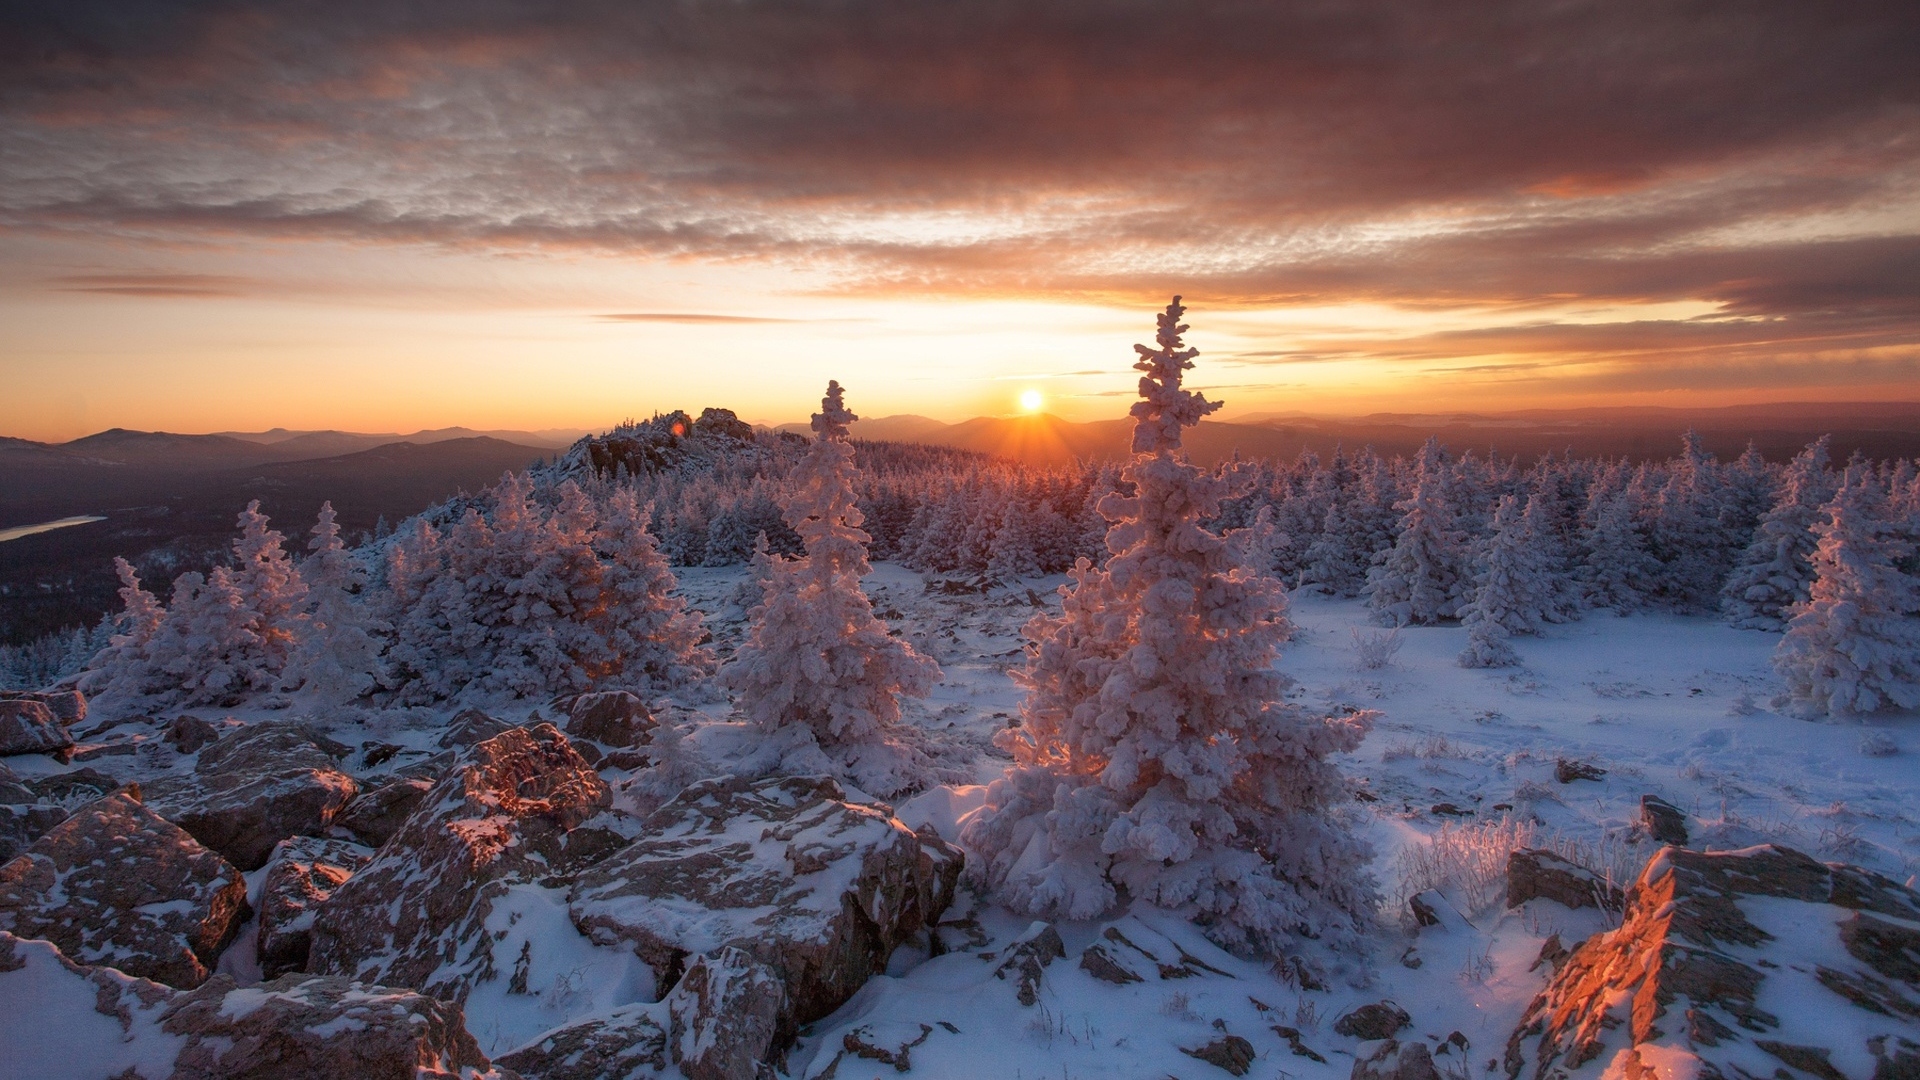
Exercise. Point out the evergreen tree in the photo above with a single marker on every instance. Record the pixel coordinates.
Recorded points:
(1617, 572)
(1155, 755)
(1775, 574)
(1507, 594)
(1854, 647)
(337, 657)
(816, 661)
(125, 667)
(1419, 579)
(271, 588)
(651, 640)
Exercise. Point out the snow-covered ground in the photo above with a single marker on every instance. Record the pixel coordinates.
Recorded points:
(1675, 707)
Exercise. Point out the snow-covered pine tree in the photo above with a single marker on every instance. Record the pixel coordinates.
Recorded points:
(1559, 595)
(337, 656)
(270, 586)
(650, 640)
(1419, 579)
(1775, 573)
(1617, 570)
(1155, 758)
(816, 661)
(206, 651)
(1507, 592)
(1854, 647)
(1685, 531)
(125, 667)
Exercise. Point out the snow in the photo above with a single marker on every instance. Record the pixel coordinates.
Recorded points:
(53, 1030)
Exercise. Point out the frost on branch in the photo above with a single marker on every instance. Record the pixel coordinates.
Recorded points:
(337, 657)
(1154, 758)
(817, 663)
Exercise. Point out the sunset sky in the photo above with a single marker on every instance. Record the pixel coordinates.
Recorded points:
(389, 216)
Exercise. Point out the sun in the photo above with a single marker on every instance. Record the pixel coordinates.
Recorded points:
(1030, 401)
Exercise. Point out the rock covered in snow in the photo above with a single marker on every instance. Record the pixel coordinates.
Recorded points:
(378, 813)
(1713, 945)
(1376, 1021)
(116, 884)
(255, 788)
(1665, 822)
(618, 1045)
(470, 728)
(187, 734)
(29, 727)
(65, 1019)
(1393, 1060)
(302, 875)
(726, 1013)
(413, 915)
(612, 718)
(69, 707)
(819, 888)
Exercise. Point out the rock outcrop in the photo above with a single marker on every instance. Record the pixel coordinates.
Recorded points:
(65, 1019)
(257, 787)
(69, 707)
(29, 727)
(819, 889)
(1393, 1060)
(1538, 874)
(726, 1016)
(612, 718)
(1753, 963)
(618, 1045)
(414, 915)
(303, 873)
(378, 813)
(116, 884)
(1664, 822)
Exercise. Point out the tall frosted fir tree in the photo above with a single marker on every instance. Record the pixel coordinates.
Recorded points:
(337, 656)
(816, 664)
(1155, 759)
(1854, 647)
(1775, 574)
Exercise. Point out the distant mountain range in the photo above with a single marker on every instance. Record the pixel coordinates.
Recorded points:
(1877, 429)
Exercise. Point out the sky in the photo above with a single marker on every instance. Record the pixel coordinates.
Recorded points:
(385, 217)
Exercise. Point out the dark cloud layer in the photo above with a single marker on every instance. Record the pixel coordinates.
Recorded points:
(1763, 156)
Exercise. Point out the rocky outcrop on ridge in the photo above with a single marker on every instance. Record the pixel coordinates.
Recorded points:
(69, 707)
(1753, 963)
(303, 874)
(116, 884)
(29, 727)
(819, 889)
(379, 812)
(257, 787)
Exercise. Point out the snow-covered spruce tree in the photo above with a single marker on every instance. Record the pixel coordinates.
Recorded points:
(271, 588)
(207, 650)
(1617, 570)
(1775, 573)
(817, 665)
(125, 666)
(1507, 592)
(1154, 759)
(1854, 647)
(1419, 579)
(648, 640)
(337, 656)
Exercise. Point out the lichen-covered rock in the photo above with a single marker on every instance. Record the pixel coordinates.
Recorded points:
(618, 1045)
(29, 727)
(1712, 946)
(257, 787)
(726, 1015)
(820, 889)
(65, 1019)
(612, 718)
(303, 873)
(376, 814)
(414, 915)
(116, 884)
(1533, 873)
(69, 707)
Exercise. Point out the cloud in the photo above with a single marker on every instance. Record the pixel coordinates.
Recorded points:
(171, 286)
(695, 318)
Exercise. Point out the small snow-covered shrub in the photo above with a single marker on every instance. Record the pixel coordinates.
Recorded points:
(1374, 650)
(1878, 744)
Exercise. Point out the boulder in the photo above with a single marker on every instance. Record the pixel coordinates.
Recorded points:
(726, 1013)
(1027, 959)
(1376, 1021)
(302, 875)
(617, 1045)
(65, 1019)
(1396, 1061)
(257, 787)
(23, 823)
(1710, 946)
(375, 815)
(74, 786)
(471, 728)
(1665, 822)
(501, 818)
(612, 718)
(1534, 873)
(1229, 1052)
(819, 889)
(69, 707)
(187, 734)
(1567, 771)
(29, 727)
(116, 884)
